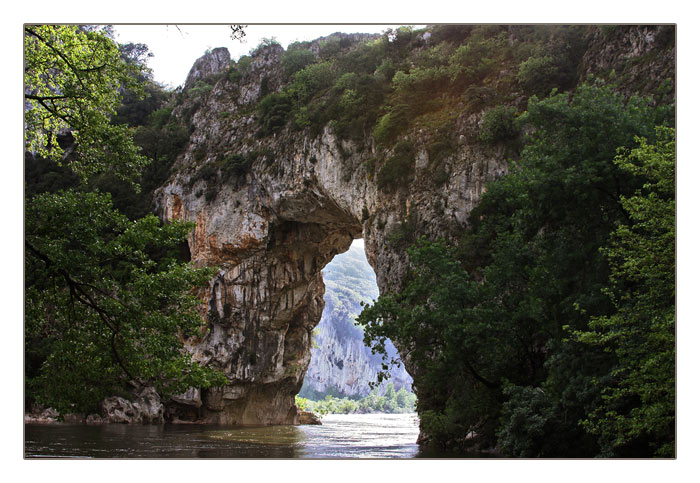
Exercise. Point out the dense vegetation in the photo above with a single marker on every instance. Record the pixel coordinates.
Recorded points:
(548, 330)
(410, 80)
(108, 297)
(391, 401)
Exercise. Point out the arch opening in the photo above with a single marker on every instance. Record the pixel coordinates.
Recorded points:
(341, 365)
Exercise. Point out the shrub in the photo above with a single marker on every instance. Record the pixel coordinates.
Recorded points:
(234, 75)
(398, 167)
(243, 64)
(440, 176)
(211, 193)
(199, 152)
(404, 233)
(436, 56)
(421, 82)
(200, 89)
(293, 60)
(236, 165)
(538, 75)
(264, 43)
(476, 59)
(386, 70)
(454, 34)
(362, 60)
(159, 117)
(498, 125)
(312, 79)
(354, 103)
(346, 81)
(479, 97)
(273, 112)
(392, 123)
(208, 172)
(440, 149)
(332, 46)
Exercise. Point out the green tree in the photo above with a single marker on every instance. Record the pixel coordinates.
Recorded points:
(637, 414)
(540, 231)
(110, 298)
(73, 78)
(498, 125)
(108, 301)
(402, 398)
(302, 403)
(486, 322)
(537, 75)
(390, 404)
(427, 319)
(295, 59)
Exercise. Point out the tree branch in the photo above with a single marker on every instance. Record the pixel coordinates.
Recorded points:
(75, 70)
(84, 297)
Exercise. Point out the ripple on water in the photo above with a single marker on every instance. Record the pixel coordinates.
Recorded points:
(340, 436)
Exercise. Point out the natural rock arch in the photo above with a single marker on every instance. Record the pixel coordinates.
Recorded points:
(271, 236)
(271, 228)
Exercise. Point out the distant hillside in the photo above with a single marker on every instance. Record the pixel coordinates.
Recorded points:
(342, 365)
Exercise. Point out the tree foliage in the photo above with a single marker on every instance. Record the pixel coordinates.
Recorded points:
(489, 322)
(108, 300)
(112, 300)
(391, 402)
(637, 414)
(73, 80)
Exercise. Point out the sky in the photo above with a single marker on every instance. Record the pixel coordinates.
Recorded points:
(176, 47)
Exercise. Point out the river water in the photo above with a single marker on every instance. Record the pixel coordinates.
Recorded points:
(340, 436)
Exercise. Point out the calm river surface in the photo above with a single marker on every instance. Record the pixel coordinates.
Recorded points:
(340, 436)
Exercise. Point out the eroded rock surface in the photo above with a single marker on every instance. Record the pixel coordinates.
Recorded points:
(272, 230)
(145, 408)
(211, 64)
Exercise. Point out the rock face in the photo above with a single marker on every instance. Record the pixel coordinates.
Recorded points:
(306, 417)
(341, 364)
(623, 49)
(146, 408)
(271, 229)
(271, 232)
(210, 64)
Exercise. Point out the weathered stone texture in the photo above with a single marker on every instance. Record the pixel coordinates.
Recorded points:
(210, 64)
(145, 408)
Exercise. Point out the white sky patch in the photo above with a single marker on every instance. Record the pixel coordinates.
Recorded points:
(176, 47)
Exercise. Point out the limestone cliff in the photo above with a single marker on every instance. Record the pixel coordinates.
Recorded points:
(272, 211)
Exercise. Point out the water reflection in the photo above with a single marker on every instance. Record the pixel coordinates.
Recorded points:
(340, 436)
